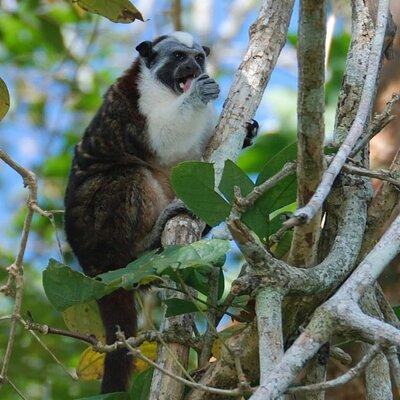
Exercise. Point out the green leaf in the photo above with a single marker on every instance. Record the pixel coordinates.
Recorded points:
(221, 283)
(4, 99)
(266, 146)
(180, 306)
(194, 183)
(141, 383)
(51, 33)
(275, 164)
(233, 176)
(108, 396)
(396, 310)
(134, 273)
(199, 254)
(115, 10)
(195, 278)
(255, 218)
(65, 287)
(212, 250)
(284, 192)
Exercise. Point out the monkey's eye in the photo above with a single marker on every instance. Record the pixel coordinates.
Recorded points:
(179, 55)
(199, 58)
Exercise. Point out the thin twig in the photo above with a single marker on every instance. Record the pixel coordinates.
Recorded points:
(341, 380)
(20, 394)
(48, 330)
(379, 122)
(54, 357)
(288, 169)
(16, 269)
(224, 392)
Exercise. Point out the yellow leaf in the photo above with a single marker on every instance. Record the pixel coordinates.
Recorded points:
(91, 363)
(90, 366)
(148, 349)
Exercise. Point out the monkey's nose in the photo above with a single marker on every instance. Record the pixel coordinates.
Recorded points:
(191, 69)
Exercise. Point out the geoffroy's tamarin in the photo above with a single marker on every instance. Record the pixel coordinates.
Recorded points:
(157, 114)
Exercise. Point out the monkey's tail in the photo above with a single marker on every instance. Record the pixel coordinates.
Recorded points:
(118, 309)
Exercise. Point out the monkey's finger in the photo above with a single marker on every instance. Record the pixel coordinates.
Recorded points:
(203, 76)
(207, 81)
(210, 89)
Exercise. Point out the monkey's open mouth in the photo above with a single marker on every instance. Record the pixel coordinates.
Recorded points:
(185, 82)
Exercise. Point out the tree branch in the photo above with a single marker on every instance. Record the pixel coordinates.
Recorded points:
(311, 127)
(305, 214)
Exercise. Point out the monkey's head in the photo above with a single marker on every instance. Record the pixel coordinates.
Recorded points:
(174, 59)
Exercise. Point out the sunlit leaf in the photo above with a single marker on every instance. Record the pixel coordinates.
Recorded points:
(91, 363)
(65, 287)
(4, 99)
(90, 366)
(115, 10)
(148, 349)
(205, 252)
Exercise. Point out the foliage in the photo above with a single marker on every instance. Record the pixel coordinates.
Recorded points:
(194, 183)
(65, 287)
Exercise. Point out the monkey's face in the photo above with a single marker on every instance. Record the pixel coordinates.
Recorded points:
(174, 60)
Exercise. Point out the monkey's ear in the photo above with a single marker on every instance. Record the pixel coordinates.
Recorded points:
(206, 50)
(145, 49)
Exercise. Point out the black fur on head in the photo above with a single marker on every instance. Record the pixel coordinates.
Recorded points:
(175, 60)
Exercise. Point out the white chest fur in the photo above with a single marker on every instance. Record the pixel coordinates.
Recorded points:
(177, 131)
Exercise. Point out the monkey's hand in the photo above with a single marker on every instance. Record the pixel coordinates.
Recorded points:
(174, 208)
(252, 131)
(204, 89)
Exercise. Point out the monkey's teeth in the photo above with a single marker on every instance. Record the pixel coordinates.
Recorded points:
(182, 85)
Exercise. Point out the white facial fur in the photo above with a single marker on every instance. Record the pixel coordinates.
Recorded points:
(183, 37)
(177, 131)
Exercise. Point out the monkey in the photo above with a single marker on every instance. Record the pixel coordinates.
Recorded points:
(118, 196)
